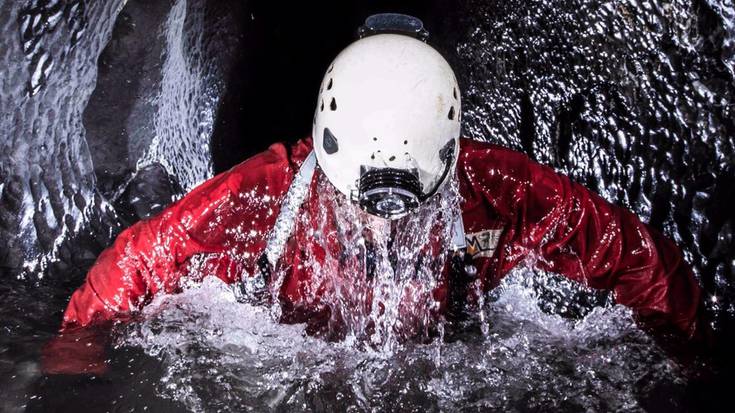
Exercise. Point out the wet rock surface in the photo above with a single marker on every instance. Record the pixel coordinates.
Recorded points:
(47, 192)
(633, 99)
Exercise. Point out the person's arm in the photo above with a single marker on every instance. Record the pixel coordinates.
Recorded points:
(227, 216)
(580, 235)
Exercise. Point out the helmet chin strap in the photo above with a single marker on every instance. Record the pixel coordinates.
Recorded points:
(284, 226)
(446, 154)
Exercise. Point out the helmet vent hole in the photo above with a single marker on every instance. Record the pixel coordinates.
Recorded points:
(333, 105)
(451, 113)
(454, 93)
(372, 156)
(330, 69)
(392, 158)
(329, 142)
(375, 138)
(405, 142)
(329, 86)
(321, 109)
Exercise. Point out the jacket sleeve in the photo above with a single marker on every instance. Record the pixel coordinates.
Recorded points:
(578, 234)
(223, 221)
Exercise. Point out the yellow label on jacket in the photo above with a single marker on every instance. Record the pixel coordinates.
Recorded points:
(482, 244)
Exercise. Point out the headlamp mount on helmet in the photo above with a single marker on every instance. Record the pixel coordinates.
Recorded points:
(394, 23)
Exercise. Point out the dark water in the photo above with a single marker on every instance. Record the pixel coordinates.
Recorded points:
(202, 350)
(111, 109)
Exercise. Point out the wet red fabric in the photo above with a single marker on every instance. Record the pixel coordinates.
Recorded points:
(513, 208)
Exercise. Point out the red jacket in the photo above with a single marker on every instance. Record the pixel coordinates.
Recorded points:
(511, 206)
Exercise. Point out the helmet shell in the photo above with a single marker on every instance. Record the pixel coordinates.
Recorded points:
(387, 100)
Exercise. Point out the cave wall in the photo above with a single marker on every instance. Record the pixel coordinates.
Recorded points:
(150, 119)
(633, 99)
(108, 111)
(48, 51)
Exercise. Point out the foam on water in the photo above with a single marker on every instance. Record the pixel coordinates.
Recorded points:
(221, 354)
(387, 347)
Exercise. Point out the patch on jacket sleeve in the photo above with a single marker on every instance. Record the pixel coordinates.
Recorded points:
(482, 244)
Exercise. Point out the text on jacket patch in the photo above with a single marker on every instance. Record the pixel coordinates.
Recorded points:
(482, 244)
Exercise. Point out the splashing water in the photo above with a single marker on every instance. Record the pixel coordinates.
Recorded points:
(221, 354)
(376, 282)
(375, 278)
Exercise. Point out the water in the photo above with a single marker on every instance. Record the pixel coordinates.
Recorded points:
(377, 277)
(385, 346)
(528, 345)
(218, 354)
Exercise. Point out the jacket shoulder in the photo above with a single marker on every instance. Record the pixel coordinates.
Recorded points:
(279, 152)
(476, 154)
(272, 165)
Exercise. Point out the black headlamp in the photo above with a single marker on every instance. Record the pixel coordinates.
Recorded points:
(388, 192)
(392, 193)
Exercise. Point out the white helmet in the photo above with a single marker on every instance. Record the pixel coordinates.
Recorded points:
(387, 122)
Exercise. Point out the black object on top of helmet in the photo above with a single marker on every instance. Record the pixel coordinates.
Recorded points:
(395, 23)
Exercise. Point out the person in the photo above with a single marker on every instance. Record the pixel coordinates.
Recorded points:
(386, 139)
